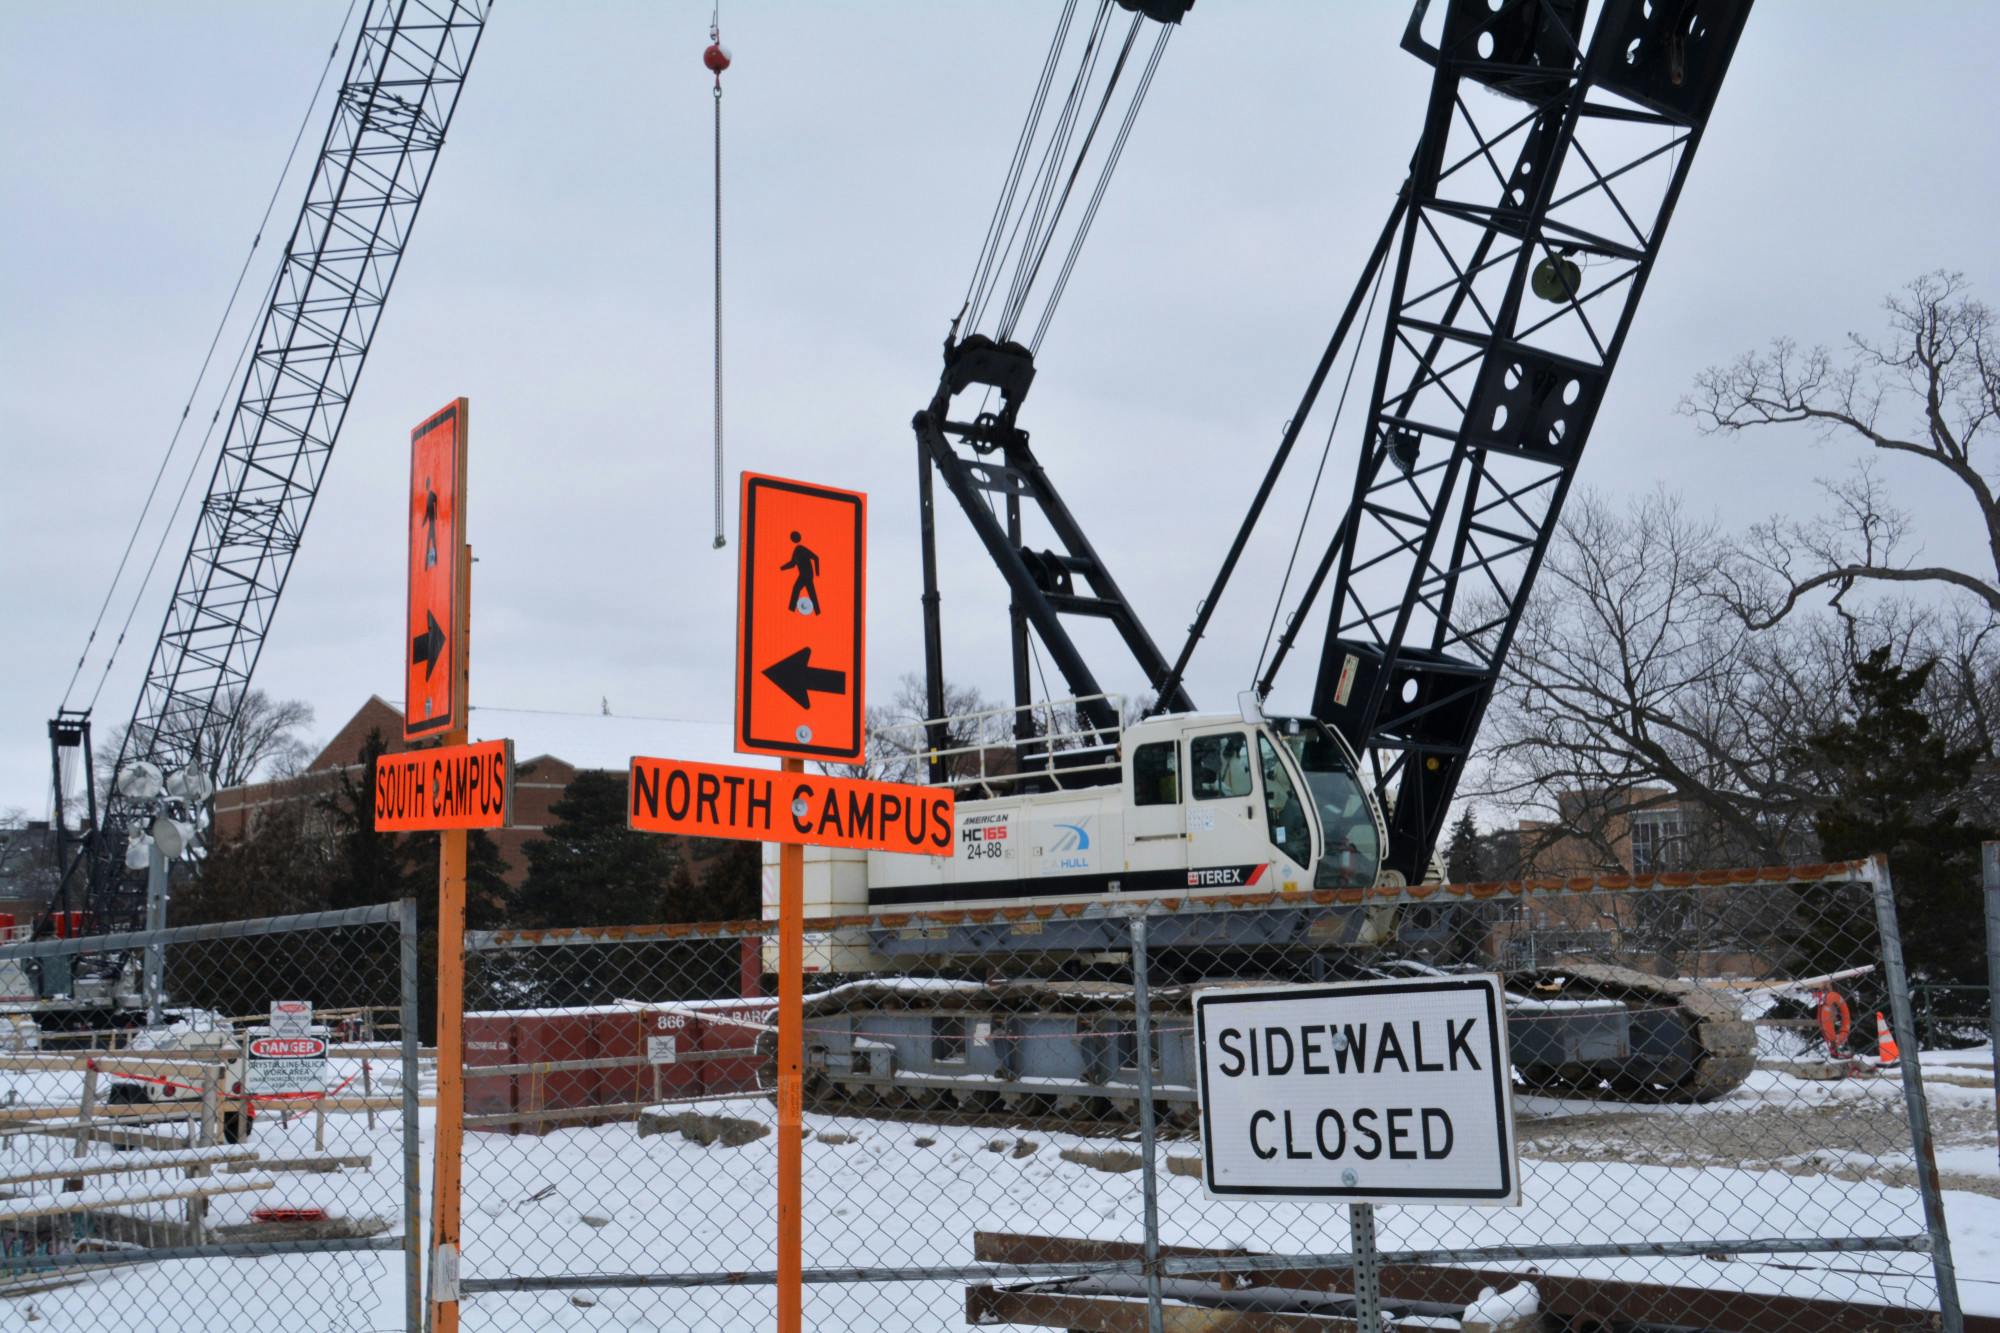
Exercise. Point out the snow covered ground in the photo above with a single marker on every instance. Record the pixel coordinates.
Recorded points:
(1783, 1156)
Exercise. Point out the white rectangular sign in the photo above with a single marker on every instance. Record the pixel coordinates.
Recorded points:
(291, 1018)
(282, 1066)
(662, 1050)
(1366, 1092)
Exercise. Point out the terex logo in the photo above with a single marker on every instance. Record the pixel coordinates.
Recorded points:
(1220, 877)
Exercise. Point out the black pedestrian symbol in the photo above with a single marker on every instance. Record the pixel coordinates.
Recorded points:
(805, 597)
(430, 525)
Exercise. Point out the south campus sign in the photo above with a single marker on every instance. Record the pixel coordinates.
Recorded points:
(445, 787)
(1364, 1092)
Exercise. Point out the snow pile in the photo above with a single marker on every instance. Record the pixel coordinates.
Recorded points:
(1501, 1309)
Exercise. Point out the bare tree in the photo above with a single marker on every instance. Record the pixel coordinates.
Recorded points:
(1930, 390)
(898, 743)
(1632, 686)
(239, 743)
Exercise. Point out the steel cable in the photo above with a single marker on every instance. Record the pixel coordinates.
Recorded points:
(173, 443)
(1298, 539)
(1030, 271)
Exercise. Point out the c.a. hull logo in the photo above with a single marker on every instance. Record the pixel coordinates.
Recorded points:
(1069, 849)
(1075, 838)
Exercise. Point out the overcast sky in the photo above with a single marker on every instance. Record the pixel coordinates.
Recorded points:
(559, 278)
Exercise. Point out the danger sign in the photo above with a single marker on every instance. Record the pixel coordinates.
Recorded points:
(1366, 1092)
(723, 801)
(285, 1066)
(451, 786)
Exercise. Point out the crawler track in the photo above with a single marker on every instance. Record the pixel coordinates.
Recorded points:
(1062, 1055)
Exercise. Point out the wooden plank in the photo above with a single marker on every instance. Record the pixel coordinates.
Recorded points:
(25, 1206)
(1591, 1300)
(322, 1165)
(609, 1111)
(137, 1162)
(115, 1136)
(161, 1065)
(1096, 1314)
(30, 1118)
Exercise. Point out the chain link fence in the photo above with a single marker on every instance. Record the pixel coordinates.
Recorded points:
(1005, 1136)
(183, 1156)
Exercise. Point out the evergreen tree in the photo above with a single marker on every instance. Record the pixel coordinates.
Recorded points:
(1465, 854)
(718, 880)
(1896, 786)
(369, 867)
(590, 870)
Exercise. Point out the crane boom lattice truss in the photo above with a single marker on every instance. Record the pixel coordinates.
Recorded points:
(1534, 217)
(395, 104)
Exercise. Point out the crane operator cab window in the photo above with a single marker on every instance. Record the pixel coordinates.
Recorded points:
(1290, 833)
(1156, 774)
(1353, 851)
(1221, 766)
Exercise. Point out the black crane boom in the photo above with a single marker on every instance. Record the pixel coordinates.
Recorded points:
(395, 104)
(1534, 220)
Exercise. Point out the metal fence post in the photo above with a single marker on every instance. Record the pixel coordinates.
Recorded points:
(413, 1217)
(1921, 1142)
(1989, 864)
(1142, 1037)
(1367, 1267)
(153, 975)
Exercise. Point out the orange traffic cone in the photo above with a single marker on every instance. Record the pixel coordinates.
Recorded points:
(1886, 1054)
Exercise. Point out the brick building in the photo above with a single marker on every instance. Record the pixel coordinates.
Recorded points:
(1638, 832)
(539, 784)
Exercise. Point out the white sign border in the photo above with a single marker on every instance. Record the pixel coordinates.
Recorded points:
(1509, 1195)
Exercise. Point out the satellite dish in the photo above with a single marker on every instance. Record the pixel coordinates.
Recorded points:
(138, 852)
(140, 781)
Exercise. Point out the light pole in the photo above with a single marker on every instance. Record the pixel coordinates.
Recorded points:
(174, 803)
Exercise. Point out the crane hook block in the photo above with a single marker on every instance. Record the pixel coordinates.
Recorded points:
(715, 59)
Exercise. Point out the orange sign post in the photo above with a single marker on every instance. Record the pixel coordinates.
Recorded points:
(801, 618)
(434, 708)
(801, 607)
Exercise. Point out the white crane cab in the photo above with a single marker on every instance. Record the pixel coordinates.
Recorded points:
(1182, 805)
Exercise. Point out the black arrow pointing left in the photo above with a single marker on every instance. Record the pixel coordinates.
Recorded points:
(800, 679)
(428, 646)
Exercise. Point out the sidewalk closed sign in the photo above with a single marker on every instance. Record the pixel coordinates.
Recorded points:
(1362, 1092)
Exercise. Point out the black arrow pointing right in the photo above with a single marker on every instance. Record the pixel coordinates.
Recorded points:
(800, 679)
(428, 646)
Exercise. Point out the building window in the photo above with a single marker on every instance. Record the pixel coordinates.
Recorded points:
(1156, 774)
(1657, 842)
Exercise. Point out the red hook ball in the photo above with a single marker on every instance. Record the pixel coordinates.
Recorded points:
(715, 58)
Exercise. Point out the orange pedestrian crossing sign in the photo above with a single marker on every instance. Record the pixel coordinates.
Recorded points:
(801, 608)
(433, 635)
